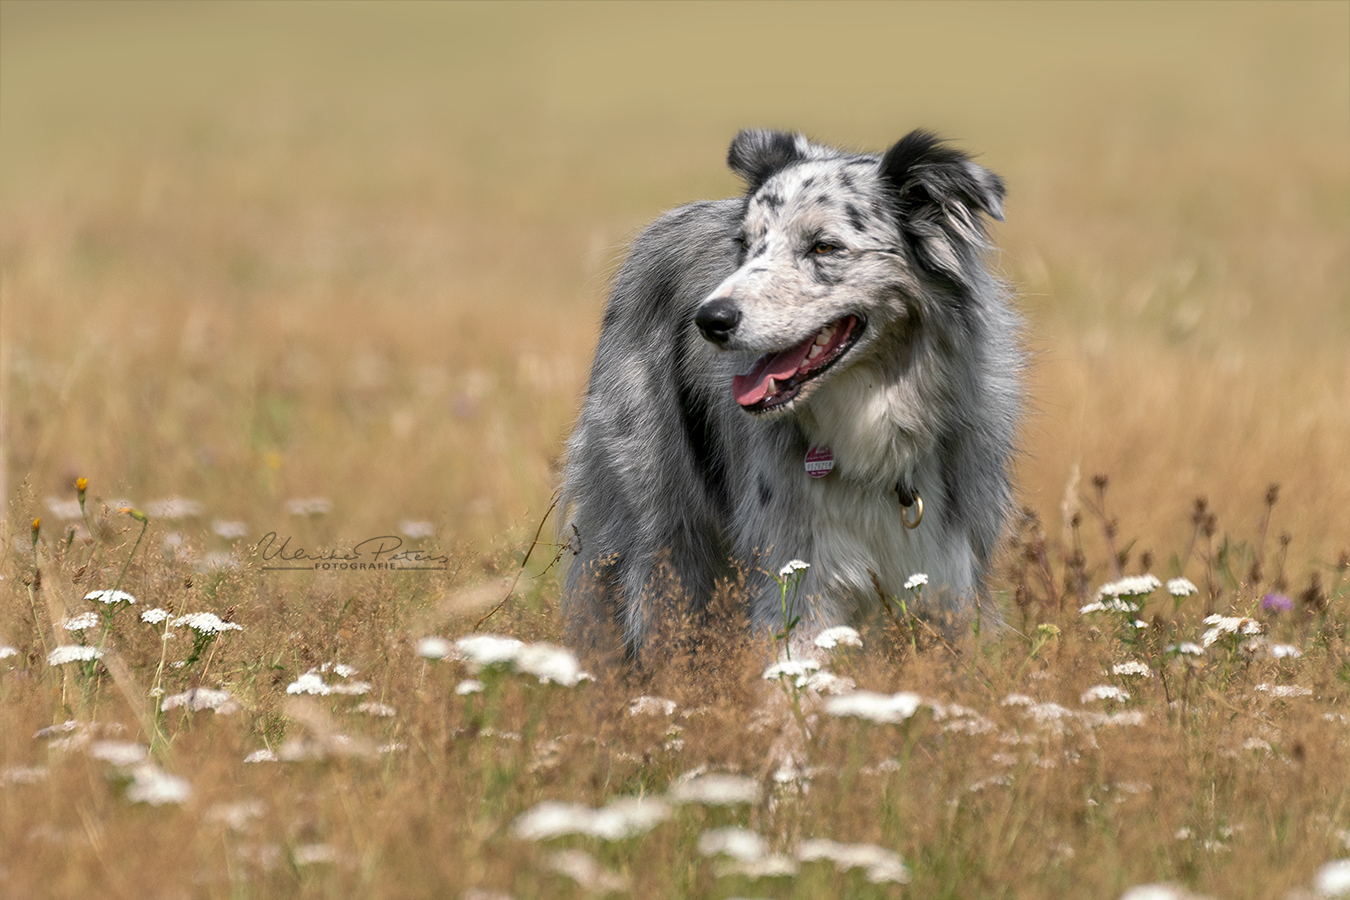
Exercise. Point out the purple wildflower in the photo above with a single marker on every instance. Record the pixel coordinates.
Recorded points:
(1276, 603)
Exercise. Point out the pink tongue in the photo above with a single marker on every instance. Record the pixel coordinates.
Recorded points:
(751, 388)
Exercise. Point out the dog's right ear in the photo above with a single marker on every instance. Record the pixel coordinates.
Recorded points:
(940, 197)
(757, 153)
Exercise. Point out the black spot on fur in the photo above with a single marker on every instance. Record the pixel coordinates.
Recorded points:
(808, 181)
(701, 435)
(770, 201)
(855, 216)
(765, 492)
(664, 284)
(825, 273)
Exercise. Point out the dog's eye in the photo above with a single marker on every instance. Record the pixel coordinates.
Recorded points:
(823, 247)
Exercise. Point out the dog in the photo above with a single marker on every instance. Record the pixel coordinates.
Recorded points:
(823, 370)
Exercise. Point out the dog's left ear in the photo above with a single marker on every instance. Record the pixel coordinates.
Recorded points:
(757, 153)
(939, 196)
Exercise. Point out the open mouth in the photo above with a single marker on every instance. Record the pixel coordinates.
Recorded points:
(777, 378)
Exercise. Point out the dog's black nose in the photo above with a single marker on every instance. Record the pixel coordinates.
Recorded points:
(718, 319)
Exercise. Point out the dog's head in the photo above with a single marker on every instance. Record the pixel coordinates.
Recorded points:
(835, 245)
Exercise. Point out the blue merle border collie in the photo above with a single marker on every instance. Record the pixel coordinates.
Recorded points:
(823, 369)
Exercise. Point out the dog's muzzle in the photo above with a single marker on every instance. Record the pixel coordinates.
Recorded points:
(717, 319)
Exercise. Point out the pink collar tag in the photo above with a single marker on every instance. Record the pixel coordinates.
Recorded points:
(819, 461)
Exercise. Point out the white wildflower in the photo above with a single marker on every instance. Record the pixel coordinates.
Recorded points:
(371, 708)
(1158, 892)
(154, 616)
(469, 686)
(151, 785)
(738, 843)
(482, 651)
(207, 623)
(617, 820)
(881, 865)
(65, 727)
(416, 529)
(1285, 690)
(882, 708)
(314, 854)
(434, 648)
(173, 508)
(1285, 651)
(716, 790)
(1181, 587)
(551, 664)
(236, 816)
(342, 670)
(23, 775)
(198, 699)
(1114, 604)
(351, 688)
(6, 651)
(229, 530)
(1131, 717)
(1104, 692)
(258, 756)
(792, 567)
(1186, 648)
(1130, 586)
(1132, 668)
(1333, 879)
(64, 509)
(119, 753)
(838, 636)
(586, 871)
(309, 683)
(1049, 712)
(110, 597)
(1017, 700)
(797, 669)
(917, 580)
(829, 683)
(1225, 625)
(70, 653)
(82, 622)
(309, 506)
(651, 706)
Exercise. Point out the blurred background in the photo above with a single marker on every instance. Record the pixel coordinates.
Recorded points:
(258, 252)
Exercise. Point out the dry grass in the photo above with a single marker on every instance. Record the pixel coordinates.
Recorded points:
(252, 254)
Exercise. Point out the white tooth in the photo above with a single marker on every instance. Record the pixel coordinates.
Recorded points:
(823, 338)
(813, 352)
(773, 386)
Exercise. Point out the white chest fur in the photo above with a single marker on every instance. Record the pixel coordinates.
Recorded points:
(858, 530)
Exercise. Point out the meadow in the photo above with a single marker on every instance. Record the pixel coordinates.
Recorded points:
(336, 272)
